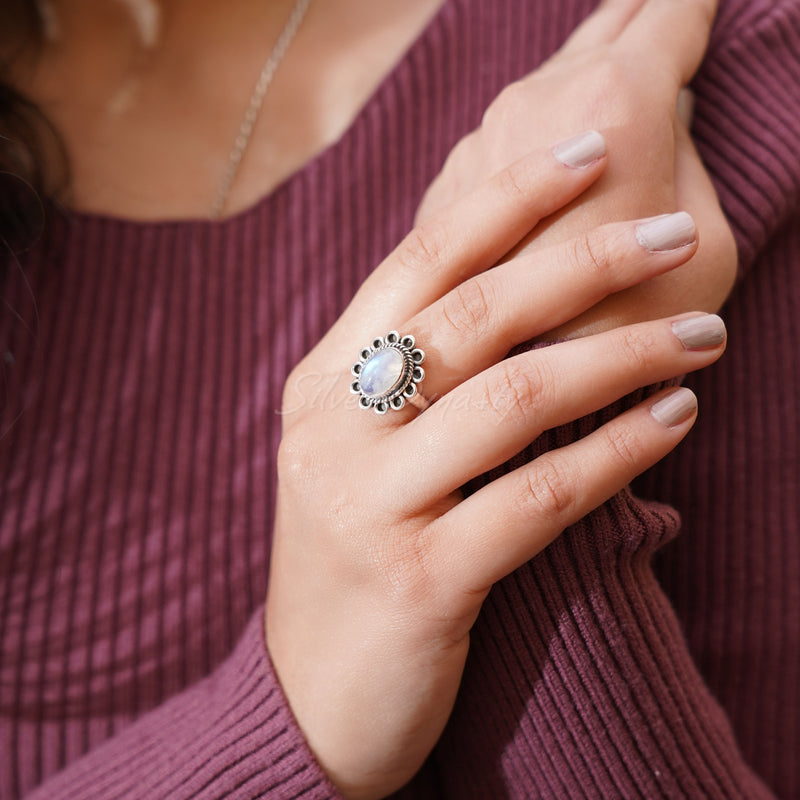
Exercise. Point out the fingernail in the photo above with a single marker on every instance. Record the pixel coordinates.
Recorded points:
(667, 232)
(581, 150)
(674, 408)
(698, 333)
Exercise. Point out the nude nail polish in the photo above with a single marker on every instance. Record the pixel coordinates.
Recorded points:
(581, 150)
(699, 333)
(674, 408)
(666, 232)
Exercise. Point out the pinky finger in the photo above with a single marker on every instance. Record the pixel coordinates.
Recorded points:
(496, 530)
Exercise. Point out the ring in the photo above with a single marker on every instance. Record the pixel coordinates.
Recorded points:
(387, 373)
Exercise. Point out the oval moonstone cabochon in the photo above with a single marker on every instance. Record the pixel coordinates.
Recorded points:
(382, 372)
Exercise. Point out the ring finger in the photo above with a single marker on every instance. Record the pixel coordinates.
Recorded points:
(509, 405)
(477, 323)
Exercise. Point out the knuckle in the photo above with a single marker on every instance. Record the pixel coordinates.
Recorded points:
(460, 156)
(619, 92)
(515, 181)
(610, 84)
(456, 178)
(490, 115)
(289, 387)
(468, 308)
(405, 566)
(592, 254)
(505, 104)
(306, 479)
(425, 248)
(519, 394)
(624, 445)
(638, 348)
(548, 489)
(295, 459)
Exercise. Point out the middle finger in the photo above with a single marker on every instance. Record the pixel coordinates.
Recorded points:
(477, 323)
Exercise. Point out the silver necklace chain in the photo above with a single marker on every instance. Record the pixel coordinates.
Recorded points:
(254, 105)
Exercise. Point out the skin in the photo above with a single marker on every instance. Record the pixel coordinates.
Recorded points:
(620, 72)
(379, 567)
(188, 96)
(371, 602)
(376, 582)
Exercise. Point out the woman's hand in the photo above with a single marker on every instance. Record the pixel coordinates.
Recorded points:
(379, 566)
(620, 72)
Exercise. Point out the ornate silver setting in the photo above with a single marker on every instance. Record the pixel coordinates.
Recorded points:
(387, 372)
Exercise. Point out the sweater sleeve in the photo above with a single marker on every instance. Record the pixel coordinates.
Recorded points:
(231, 735)
(747, 117)
(579, 681)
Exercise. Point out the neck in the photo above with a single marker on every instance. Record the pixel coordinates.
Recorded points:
(137, 119)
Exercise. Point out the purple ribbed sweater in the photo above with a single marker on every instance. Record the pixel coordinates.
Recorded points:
(142, 372)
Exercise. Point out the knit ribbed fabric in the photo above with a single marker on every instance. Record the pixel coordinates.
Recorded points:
(142, 372)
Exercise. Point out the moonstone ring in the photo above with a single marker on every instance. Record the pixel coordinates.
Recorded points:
(387, 373)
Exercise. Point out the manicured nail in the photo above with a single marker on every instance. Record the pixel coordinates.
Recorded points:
(667, 232)
(581, 150)
(698, 333)
(674, 408)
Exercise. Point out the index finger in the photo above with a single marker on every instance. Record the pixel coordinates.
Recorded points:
(674, 32)
(469, 236)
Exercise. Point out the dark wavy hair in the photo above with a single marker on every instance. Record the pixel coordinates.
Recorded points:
(33, 165)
